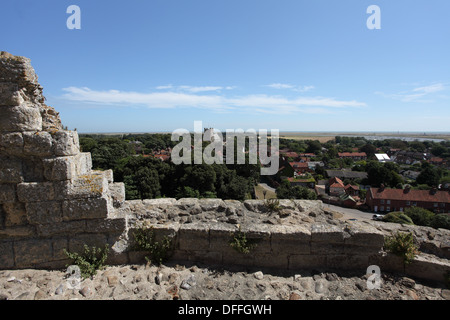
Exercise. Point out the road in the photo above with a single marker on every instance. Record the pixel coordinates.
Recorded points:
(349, 213)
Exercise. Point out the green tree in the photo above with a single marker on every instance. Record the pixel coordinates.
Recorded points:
(420, 216)
(429, 176)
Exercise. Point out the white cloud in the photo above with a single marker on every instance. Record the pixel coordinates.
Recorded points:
(416, 94)
(215, 102)
(292, 87)
(280, 86)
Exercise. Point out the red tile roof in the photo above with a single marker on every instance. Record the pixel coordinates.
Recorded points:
(298, 165)
(411, 195)
(336, 183)
(291, 154)
(352, 154)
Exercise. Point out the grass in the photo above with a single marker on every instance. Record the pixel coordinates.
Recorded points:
(260, 195)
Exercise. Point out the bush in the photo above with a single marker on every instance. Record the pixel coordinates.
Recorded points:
(420, 216)
(398, 217)
(90, 261)
(402, 244)
(441, 221)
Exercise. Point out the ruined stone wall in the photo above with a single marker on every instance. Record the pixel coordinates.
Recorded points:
(51, 200)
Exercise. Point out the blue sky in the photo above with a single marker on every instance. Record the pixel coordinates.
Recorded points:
(292, 65)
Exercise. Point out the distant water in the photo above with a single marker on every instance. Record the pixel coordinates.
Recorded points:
(396, 138)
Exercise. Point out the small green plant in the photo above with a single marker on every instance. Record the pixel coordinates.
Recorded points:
(91, 260)
(240, 243)
(272, 205)
(402, 244)
(145, 241)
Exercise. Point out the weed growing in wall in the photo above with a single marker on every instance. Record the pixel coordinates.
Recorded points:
(272, 205)
(159, 251)
(240, 243)
(91, 260)
(402, 244)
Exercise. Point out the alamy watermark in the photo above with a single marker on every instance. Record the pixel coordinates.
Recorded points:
(74, 20)
(374, 280)
(236, 149)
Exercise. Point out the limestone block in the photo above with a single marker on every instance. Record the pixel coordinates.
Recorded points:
(76, 243)
(92, 185)
(169, 230)
(15, 214)
(88, 208)
(6, 255)
(212, 205)
(234, 258)
(37, 143)
(11, 143)
(65, 228)
(84, 163)
(363, 234)
(309, 206)
(348, 262)
(307, 261)
(428, 267)
(105, 225)
(259, 237)
(326, 233)
(159, 203)
(20, 118)
(271, 260)
(31, 252)
(58, 247)
(255, 205)
(10, 170)
(327, 248)
(65, 143)
(193, 236)
(60, 168)
(290, 239)
(117, 191)
(109, 175)
(9, 94)
(36, 191)
(220, 235)
(186, 203)
(25, 231)
(7, 193)
(48, 212)
(387, 262)
(32, 169)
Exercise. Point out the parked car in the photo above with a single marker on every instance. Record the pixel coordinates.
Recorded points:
(377, 217)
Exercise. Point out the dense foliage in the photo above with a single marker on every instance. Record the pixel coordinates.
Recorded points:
(146, 177)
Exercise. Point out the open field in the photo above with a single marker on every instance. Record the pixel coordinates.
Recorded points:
(260, 195)
(327, 136)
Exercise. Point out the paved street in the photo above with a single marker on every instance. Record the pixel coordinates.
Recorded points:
(350, 213)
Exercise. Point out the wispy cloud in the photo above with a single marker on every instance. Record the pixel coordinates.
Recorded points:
(194, 89)
(292, 87)
(418, 94)
(195, 97)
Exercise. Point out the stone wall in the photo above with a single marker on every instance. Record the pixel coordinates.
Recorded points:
(302, 235)
(51, 200)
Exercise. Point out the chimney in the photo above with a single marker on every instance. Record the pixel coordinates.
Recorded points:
(407, 188)
(381, 188)
(433, 191)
